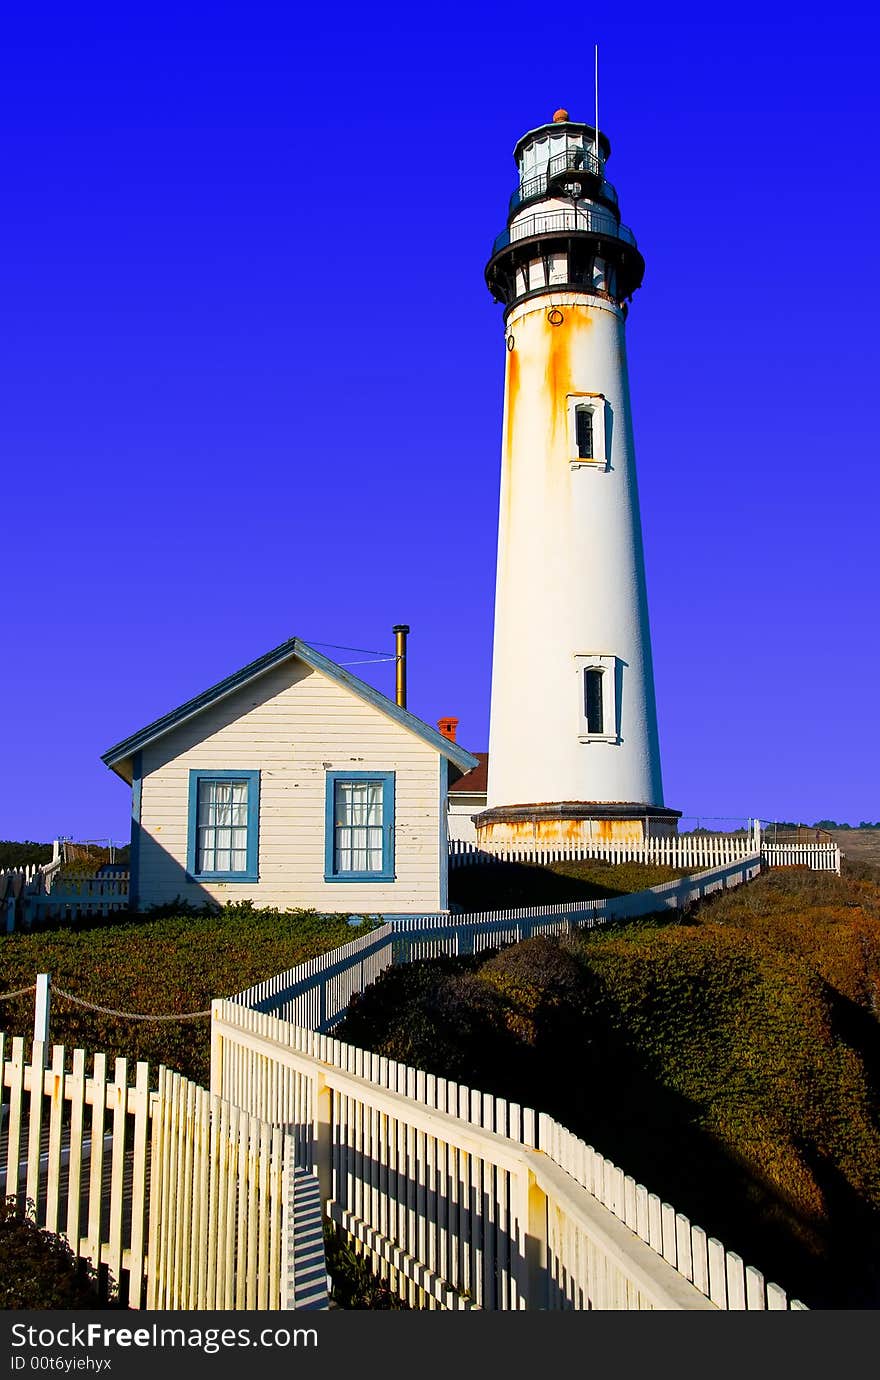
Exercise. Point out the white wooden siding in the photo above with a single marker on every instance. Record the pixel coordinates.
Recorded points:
(293, 725)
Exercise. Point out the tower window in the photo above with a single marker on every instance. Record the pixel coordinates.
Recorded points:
(599, 686)
(588, 418)
(584, 437)
(593, 701)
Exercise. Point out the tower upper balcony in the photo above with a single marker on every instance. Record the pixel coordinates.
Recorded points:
(563, 225)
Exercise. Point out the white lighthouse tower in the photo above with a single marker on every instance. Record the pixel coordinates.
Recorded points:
(573, 745)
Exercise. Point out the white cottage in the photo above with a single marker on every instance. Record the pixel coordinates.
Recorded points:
(291, 783)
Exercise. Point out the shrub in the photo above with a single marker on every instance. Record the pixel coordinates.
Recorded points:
(39, 1270)
(434, 1015)
(354, 1283)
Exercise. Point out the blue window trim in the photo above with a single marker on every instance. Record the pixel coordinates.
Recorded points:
(387, 872)
(251, 874)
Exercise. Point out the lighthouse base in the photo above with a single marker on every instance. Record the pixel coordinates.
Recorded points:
(575, 822)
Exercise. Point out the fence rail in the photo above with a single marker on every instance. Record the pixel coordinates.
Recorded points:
(186, 1200)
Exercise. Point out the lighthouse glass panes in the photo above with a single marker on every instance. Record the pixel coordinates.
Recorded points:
(584, 432)
(222, 844)
(593, 707)
(358, 826)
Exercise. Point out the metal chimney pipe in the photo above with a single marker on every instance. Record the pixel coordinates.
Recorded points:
(400, 631)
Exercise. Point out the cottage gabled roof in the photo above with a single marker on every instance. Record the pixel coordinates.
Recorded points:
(118, 757)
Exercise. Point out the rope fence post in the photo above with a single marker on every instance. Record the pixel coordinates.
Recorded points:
(42, 1004)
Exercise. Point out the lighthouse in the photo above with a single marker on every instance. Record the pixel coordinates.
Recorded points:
(573, 744)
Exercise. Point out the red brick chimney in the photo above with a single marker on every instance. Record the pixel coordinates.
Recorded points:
(447, 727)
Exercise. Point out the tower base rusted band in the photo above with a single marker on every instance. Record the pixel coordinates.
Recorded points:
(574, 822)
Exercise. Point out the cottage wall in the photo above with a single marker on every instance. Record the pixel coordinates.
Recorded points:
(294, 725)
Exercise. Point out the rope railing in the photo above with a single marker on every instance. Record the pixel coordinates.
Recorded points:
(21, 992)
(126, 1015)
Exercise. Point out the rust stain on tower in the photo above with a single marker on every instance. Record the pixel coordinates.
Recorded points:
(558, 368)
(512, 394)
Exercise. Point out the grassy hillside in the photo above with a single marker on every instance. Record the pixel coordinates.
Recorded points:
(156, 965)
(859, 845)
(493, 886)
(23, 853)
(731, 1061)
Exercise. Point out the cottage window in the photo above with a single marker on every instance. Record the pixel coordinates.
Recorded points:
(223, 825)
(359, 843)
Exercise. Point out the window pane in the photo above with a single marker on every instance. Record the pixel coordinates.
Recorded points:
(584, 433)
(593, 707)
(221, 830)
(358, 826)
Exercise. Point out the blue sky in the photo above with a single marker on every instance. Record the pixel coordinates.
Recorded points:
(251, 378)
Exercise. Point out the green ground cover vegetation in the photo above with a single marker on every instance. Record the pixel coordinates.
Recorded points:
(178, 960)
(495, 886)
(157, 964)
(729, 1060)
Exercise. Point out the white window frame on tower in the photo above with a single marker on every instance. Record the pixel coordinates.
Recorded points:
(609, 668)
(596, 405)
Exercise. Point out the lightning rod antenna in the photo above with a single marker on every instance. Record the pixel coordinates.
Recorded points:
(596, 90)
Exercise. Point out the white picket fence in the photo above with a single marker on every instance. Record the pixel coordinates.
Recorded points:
(316, 994)
(678, 850)
(29, 896)
(188, 1201)
(19, 885)
(463, 1199)
(36, 893)
(74, 896)
(819, 857)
